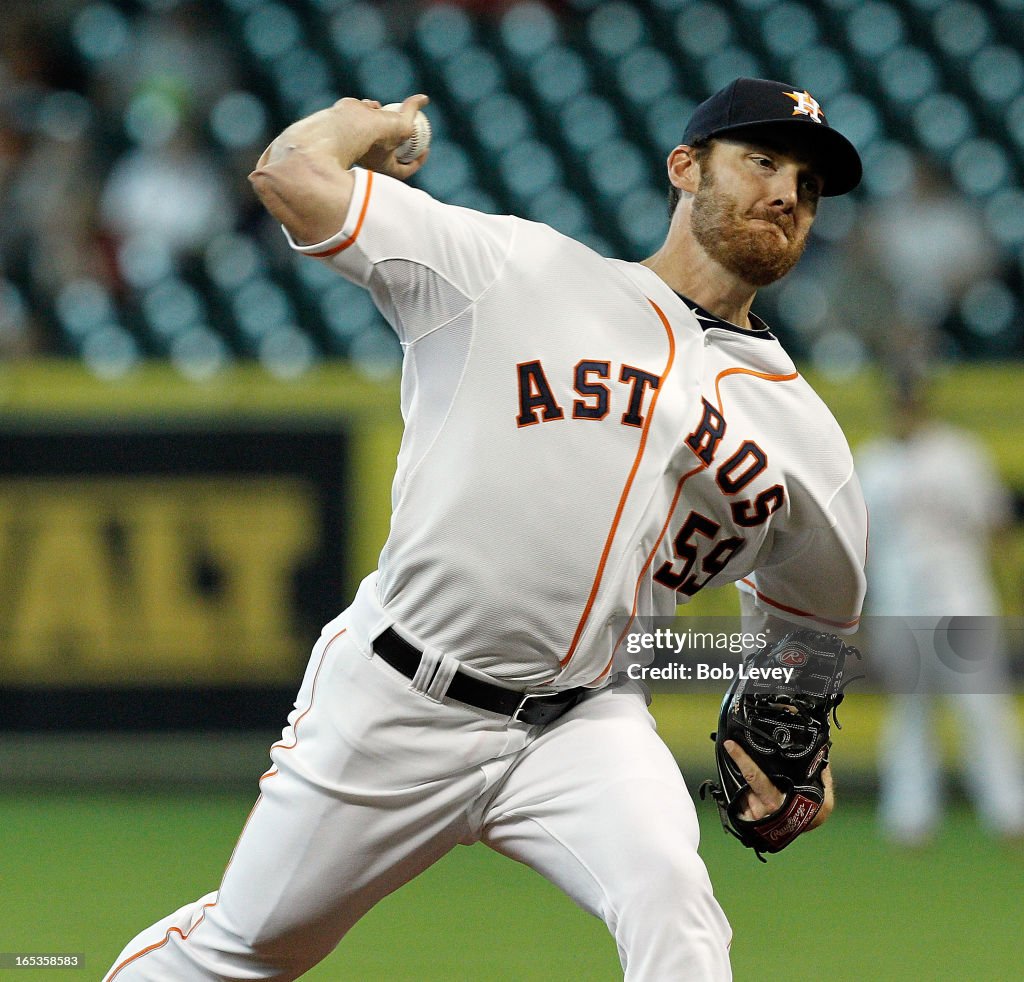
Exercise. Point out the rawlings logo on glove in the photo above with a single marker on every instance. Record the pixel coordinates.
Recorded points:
(784, 729)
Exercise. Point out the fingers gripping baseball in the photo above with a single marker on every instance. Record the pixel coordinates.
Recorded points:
(403, 137)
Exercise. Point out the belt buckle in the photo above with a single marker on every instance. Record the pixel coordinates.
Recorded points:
(527, 696)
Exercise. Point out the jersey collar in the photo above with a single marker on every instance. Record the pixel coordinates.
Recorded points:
(708, 320)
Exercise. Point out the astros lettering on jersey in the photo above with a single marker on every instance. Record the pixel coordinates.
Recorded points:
(699, 454)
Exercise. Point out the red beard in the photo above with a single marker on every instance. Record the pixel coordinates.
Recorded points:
(755, 253)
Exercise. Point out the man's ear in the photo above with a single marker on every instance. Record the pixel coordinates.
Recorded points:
(684, 169)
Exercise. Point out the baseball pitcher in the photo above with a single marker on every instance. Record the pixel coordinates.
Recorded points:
(586, 441)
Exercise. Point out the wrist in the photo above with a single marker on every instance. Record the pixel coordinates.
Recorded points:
(343, 133)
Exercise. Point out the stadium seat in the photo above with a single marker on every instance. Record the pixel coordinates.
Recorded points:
(645, 76)
(303, 80)
(874, 28)
(271, 29)
(355, 31)
(615, 28)
(997, 74)
(722, 66)
(665, 119)
(942, 121)
(961, 28)
(702, 27)
(529, 168)
(823, 70)
(906, 74)
(451, 168)
(588, 121)
(562, 209)
(788, 29)
(170, 307)
(500, 121)
(387, 74)
(558, 75)
(527, 30)
(442, 30)
(472, 73)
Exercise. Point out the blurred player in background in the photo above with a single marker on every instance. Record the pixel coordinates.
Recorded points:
(935, 502)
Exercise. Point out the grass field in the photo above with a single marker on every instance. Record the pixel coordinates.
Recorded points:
(83, 873)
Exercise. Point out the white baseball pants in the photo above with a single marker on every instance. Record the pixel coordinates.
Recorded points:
(374, 780)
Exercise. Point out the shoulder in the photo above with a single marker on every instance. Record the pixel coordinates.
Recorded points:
(378, 193)
(819, 419)
(820, 459)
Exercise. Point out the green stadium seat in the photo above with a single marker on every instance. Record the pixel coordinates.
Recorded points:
(356, 30)
(500, 121)
(874, 28)
(788, 29)
(527, 30)
(823, 70)
(558, 75)
(906, 74)
(442, 30)
(702, 27)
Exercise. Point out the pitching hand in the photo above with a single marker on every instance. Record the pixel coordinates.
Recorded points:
(394, 128)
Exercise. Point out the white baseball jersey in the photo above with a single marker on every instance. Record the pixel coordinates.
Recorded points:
(582, 445)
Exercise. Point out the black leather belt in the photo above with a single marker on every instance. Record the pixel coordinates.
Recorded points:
(519, 706)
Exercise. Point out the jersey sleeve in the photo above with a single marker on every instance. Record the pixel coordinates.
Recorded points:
(424, 262)
(815, 577)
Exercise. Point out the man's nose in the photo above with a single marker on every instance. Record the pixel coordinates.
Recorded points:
(785, 190)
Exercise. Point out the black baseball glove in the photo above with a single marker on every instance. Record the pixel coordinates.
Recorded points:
(777, 710)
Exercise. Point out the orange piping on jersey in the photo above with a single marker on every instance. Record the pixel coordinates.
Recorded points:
(160, 944)
(797, 611)
(341, 246)
(305, 712)
(647, 564)
(626, 488)
(748, 371)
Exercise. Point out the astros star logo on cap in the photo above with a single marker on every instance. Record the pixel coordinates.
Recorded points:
(806, 105)
(757, 107)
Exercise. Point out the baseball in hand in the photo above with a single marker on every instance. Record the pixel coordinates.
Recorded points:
(417, 144)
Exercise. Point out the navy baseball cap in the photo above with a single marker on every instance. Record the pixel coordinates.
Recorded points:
(748, 106)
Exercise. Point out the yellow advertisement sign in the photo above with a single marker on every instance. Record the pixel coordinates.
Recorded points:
(153, 579)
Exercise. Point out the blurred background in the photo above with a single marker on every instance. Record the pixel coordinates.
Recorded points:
(198, 428)
(128, 129)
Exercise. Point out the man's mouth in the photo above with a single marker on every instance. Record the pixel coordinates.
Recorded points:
(786, 231)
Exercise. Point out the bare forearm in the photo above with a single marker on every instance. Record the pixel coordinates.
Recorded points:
(303, 178)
